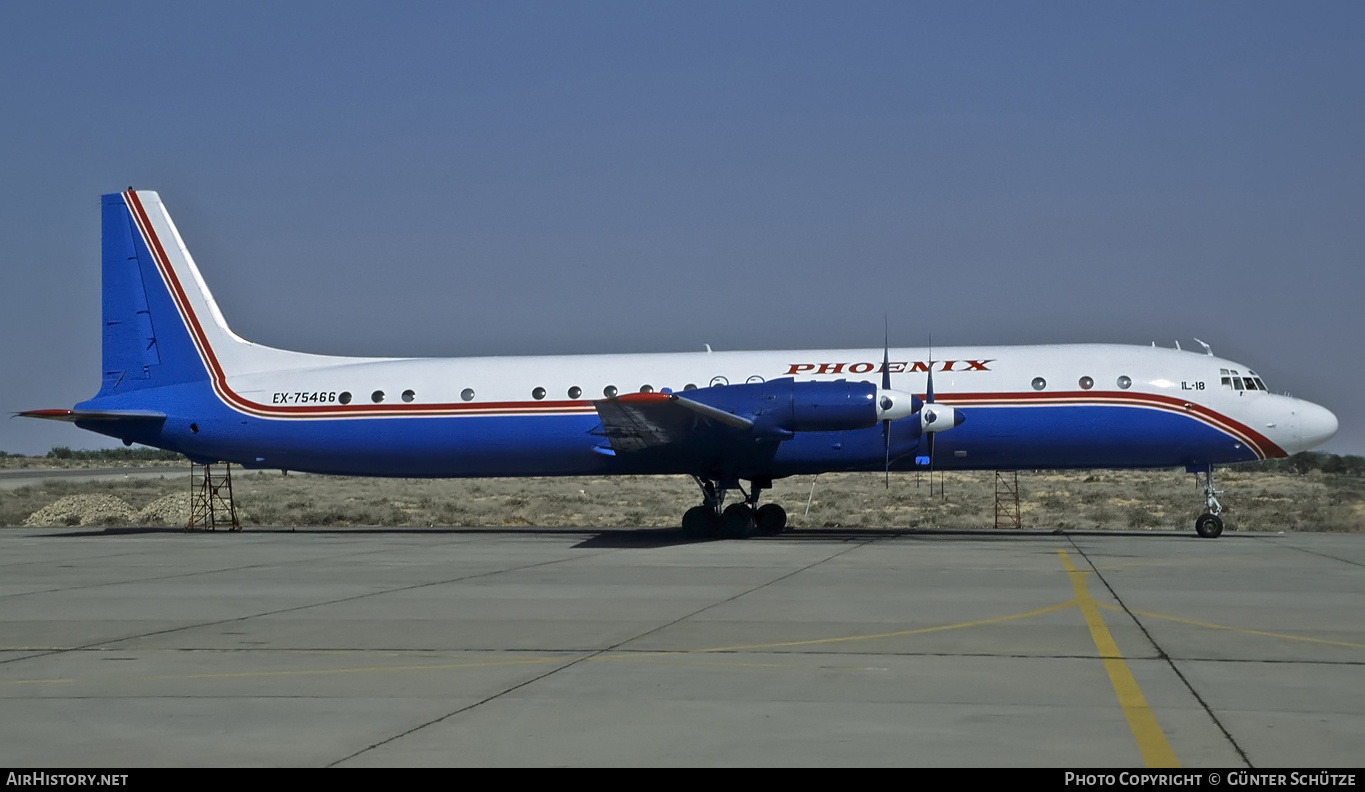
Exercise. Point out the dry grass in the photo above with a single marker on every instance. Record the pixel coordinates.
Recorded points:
(1127, 500)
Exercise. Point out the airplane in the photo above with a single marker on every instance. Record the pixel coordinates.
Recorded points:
(176, 377)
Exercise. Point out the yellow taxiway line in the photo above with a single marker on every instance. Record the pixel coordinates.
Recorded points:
(1151, 741)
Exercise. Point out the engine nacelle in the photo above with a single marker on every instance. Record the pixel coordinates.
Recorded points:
(784, 406)
(832, 406)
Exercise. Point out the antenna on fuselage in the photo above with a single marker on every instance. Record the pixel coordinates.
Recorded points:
(1208, 350)
(1177, 344)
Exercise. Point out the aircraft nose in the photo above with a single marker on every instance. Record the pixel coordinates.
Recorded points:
(1316, 425)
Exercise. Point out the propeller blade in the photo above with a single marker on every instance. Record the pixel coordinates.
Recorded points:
(927, 460)
(886, 440)
(886, 361)
(886, 385)
(929, 389)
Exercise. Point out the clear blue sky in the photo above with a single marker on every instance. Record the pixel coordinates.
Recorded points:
(513, 178)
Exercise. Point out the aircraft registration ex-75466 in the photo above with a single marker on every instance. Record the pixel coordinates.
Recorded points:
(177, 378)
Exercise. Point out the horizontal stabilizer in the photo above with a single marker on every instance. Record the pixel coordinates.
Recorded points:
(91, 416)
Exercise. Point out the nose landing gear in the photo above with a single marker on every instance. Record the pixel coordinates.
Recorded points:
(1209, 525)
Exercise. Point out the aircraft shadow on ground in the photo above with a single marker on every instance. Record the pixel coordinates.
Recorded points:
(649, 537)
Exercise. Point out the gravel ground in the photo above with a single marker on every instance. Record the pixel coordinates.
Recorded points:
(1127, 500)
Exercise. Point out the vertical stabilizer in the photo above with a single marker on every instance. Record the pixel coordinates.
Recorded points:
(161, 325)
(145, 341)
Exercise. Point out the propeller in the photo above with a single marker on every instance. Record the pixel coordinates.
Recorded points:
(891, 404)
(934, 418)
(886, 386)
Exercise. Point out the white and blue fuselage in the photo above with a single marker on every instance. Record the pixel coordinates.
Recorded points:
(176, 377)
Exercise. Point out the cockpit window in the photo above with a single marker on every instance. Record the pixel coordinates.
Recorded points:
(1232, 379)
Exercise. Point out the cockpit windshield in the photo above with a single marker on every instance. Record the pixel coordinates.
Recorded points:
(1235, 380)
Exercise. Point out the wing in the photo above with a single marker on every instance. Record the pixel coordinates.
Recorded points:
(640, 421)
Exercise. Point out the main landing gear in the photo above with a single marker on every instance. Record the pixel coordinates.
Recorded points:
(1209, 524)
(736, 521)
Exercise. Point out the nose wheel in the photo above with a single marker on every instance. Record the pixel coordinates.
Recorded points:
(736, 521)
(1209, 526)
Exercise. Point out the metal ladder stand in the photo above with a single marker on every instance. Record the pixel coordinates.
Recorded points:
(211, 501)
(1007, 493)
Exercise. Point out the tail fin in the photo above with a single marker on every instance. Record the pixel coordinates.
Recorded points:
(161, 325)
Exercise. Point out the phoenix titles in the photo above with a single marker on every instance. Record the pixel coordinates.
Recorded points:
(894, 366)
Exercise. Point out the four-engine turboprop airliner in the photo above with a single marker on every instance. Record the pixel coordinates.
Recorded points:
(176, 377)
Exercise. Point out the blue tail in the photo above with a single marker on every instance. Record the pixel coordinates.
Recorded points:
(146, 344)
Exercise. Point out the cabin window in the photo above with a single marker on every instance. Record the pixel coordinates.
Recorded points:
(377, 397)
(719, 381)
(344, 397)
(753, 379)
(1086, 383)
(575, 392)
(1039, 383)
(1125, 382)
(538, 394)
(609, 391)
(467, 394)
(409, 395)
